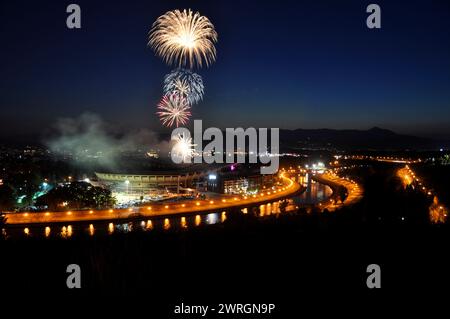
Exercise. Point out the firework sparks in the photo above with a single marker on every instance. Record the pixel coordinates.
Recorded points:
(185, 83)
(181, 87)
(173, 110)
(183, 148)
(184, 38)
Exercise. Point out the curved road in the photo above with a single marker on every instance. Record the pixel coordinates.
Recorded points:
(355, 191)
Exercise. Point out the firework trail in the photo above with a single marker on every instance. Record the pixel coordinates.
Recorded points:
(184, 38)
(173, 110)
(184, 83)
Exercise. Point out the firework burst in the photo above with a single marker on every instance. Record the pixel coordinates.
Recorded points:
(184, 83)
(184, 38)
(173, 110)
(183, 148)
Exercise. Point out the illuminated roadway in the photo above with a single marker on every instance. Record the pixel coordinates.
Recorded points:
(355, 191)
(386, 159)
(159, 209)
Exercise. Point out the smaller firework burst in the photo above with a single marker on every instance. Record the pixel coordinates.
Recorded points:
(184, 83)
(181, 87)
(173, 110)
(183, 149)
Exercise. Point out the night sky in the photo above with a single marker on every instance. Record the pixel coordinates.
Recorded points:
(298, 64)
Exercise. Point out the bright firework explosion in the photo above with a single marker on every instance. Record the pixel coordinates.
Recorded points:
(183, 148)
(173, 109)
(184, 37)
(185, 83)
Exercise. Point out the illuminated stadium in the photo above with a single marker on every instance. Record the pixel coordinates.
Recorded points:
(157, 185)
(132, 186)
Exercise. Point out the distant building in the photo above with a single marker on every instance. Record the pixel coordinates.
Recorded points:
(243, 184)
(238, 184)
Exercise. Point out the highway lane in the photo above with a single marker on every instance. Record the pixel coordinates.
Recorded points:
(355, 191)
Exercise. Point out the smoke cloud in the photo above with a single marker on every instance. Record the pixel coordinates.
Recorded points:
(88, 137)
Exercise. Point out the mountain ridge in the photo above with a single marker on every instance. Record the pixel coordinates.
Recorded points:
(373, 138)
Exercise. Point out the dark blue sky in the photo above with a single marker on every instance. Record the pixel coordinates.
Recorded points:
(288, 64)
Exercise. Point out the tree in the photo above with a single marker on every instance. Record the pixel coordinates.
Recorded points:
(6, 198)
(2, 220)
(77, 195)
(343, 194)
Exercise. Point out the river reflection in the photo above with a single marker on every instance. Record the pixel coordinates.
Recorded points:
(166, 223)
(212, 218)
(314, 193)
(66, 232)
(110, 228)
(124, 227)
(91, 230)
(183, 222)
(269, 209)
